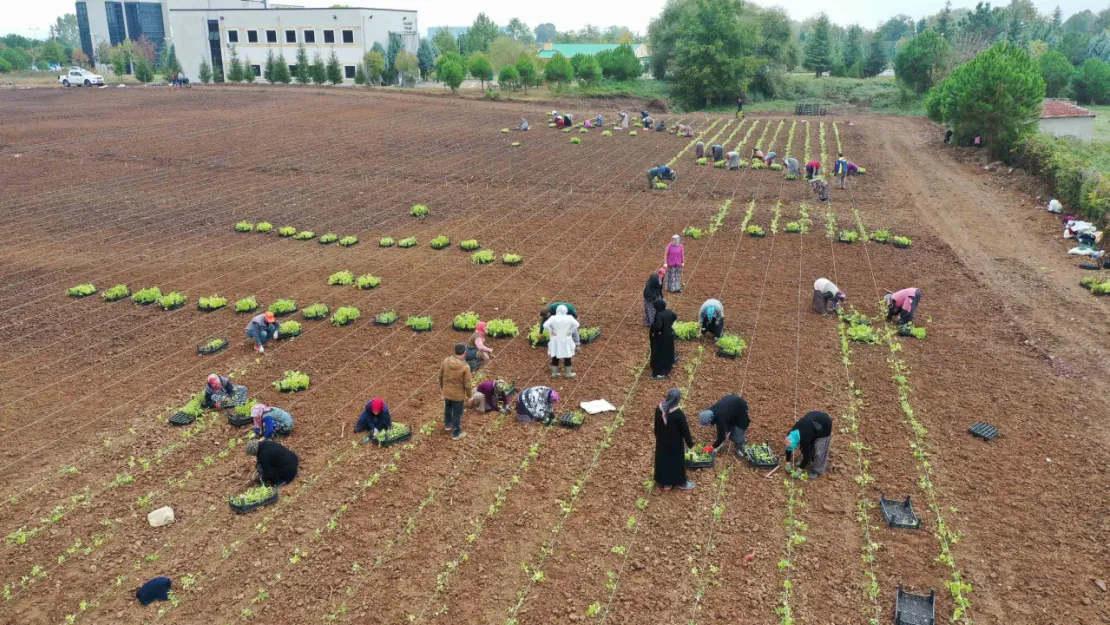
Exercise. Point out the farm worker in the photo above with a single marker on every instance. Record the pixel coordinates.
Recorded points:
(490, 396)
(262, 329)
(476, 345)
(661, 339)
(718, 152)
(644, 115)
(812, 433)
(903, 303)
(770, 158)
(155, 589)
(820, 189)
(374, 418)
(270, 421)
(699, 150)
(599, 121)
(276, 465)
(826, 296)
(555, 116)
(730, 415)
(740, 108)
(853, 169)
(660, 126)
(792, 167)
(662, 172)
(559, 123)
(840, 170)
(685, 130)
(536, 404)
(711, 316)
(454, 381)
(757, 153)
(653, 290)
(1054, 206)
(674, 260)
(733, 160)
(624, 121)
(948, 135)
(647, 122)
(523, 124)
(568, 120)
(562, 328)
(553, 307)
(216, 384)
(588, 124)
(813, 168)
(672, 437)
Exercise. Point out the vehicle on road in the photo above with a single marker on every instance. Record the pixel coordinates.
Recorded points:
(80, 77)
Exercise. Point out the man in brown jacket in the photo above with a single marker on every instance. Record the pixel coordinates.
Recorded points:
(454, 380)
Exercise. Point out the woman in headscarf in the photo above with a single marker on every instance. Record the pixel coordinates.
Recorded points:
(562, 327)
(672, 437)
(661, 337)
(902, 304)
(374, 418)
(216, 384)
(489, 396)
(270, 421)
(536, 404)
(711, 316)
(476, 350)
(653, 290)
(523, 124)
(276, 465)
(624, 121)
(699, 150)
(674, 260)
(599, 121)
(813, 433)
(559, 123)
(730, 415)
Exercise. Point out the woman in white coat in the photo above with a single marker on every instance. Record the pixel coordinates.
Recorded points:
(562, 327)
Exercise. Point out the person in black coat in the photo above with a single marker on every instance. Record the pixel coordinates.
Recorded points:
(813, 434)
(672, 437)
(661, 338)
(730, 415)
(276, 465)
(653, 291)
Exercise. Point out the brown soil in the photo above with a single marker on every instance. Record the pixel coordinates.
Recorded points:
(144, 187)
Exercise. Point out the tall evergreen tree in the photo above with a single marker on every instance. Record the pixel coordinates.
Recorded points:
(235, 68)
(319, 70)
(205, 73)
(876, 56)
(818, 57)
(853, 47)
(248, 70)
(334, 71)
(1056, 70)
(304, 70)
(281, 69)
(395, 46)
(426, 55)
(270, 68)
(944, 20)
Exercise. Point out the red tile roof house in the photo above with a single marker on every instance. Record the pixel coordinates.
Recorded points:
(1062, 118)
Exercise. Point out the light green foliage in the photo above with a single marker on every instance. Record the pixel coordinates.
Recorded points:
(686, 330)
(386, 317)
(264, 227)
(407, 242)
(368, 281)
(348, 241)
(482, 257)
(731, 344)
(697, 455)
(147, 296)
(848, 236)
(756, 230)
(293, 381)
(419, 210)
(286, 231)
(171, 300)
(419, 323)
(793, 226)
(289, 328)
(575, 140)
(880, 236)
(537, 335)
(500, 328)
(345, 315)
(283, 306)
(316, 311)
(81, 290)
(244, 226)
(116, 293)
(246, 305)
(341, 278)
(214, 344)
(440, 242)
(903, 241)
(692, 232)
(466, 321)
(470, 245)
(214, 302)
(395, 430)
(632, 133)
(330, 237)
(385, 242)
(253, 495)
(862, 333)
(587, 334)
(512, 259)
(304, 235)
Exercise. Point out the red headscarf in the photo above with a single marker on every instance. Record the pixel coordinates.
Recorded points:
(376, 405)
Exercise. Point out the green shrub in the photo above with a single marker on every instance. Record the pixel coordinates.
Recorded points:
(81, 290)
(283, 306)
(512, 259)
(470, 245)
(756, 230)
(286, 231)
(344, 315)
(1102, 288)
(244, 226)
(407, 242)
(330, 237)
(419, 210)
(440, 242)
(904, 241)
(692, 232)
(386, 317)
(264, 227)
(293, 381)
(500, 328)
(341, 278)
(215, 302)
(171, 300)
(731, 344)
(686, 330)
(466, 321)
(246, 305)
(385, 242)
(305, 235)
(289, 329)
(316, 311)
(147, 296)
(348, 241)
(575, 140)
(368, 281)
(482, 257)
(419, 323)
(116, 293)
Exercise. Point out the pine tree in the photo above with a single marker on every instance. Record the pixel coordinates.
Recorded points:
(334, 71)
(818, 48)
(205, 73)
(248, 70)
(876, 56)
(281, 68)
(171, 64)
(304, 71)
(360, 75)
(235, 68)
(853, 48)
(269, 68)
(319, 71)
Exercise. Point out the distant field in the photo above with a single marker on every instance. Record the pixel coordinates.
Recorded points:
(1102, 122)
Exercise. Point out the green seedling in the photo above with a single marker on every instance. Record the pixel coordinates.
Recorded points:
(116, 293)
(407, 242)
(81, 290)
(283, 306)
(368, 281)
(512, 259)
(470, 245)
(330, 237)
(305, 235)
(244, 226)
(316, 311)
(440, 242)
(466, 321)
(286, 231)
(293, 381)
(341, 278)
(385, 242)
(419, 323)
(502, 328)
(264, 227)
(147, 296)
(482, 257)
(419, 210)
(171, 300)
(348, 241)
(246, 305)
(214, 302)
(345, 315)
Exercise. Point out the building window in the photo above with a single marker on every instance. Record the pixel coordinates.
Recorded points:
(83, 27)
(271, 36)
(348, 36)
(116, 29)
(252, 36)
(290, 36)
(349, 71)
(329, 36)
(310, 36)
(292, 70)
(233, 36)
(257, 70)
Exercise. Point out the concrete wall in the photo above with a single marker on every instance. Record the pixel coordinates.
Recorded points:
(369, 26)
(1080, 127)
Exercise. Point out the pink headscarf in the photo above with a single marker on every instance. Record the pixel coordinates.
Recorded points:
(257, 411)
(214, 381)
(481, 328)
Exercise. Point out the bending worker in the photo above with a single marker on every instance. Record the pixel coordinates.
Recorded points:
(276, 465)
(718, 152)
(262, 329)
(216, 384)
(813, 433)
(730, 415)
(536, 404)
(792, 167)
(813, 168)
(903, 303)
(523, 124)
(711, 316)
(662, 172)
(827, 297)
(489, 396)
(375, 418)
(699, 150)
(270, 421)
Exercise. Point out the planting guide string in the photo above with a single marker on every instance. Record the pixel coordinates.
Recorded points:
(437, 302)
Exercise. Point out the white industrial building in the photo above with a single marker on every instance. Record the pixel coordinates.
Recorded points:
(207, 30)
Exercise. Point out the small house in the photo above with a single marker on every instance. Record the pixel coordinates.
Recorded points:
(1063, 118)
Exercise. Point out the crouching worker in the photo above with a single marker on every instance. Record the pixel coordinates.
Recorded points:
(902, 304)
(660, 126)
(374, 419)
(730, 415)
(813, 434)
(827, 297)
(276, 465)
(820, 189)
(699, 150)
(599, 121)
(523, 124)
(490, 396)
(216, 384)
(733, 160)
(262, 329)
(792, 167)
(718, 152)
(662, 172)
(477, 354)
(711, 315)
(270, 422)
(536, 404)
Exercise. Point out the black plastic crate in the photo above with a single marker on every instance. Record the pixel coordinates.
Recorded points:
(181, 418)
(723, 354)
(254, 506)
(914, 609)
(204, 350)
(393, 440)
(237, 398)
(238, 420)
(590, 339)
(759, 464)
(899, 513)
(703, 464)
(983, 431)
(567, 421)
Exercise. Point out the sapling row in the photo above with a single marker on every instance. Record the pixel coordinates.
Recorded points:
(719, 218)
(81, 290)
(344, 315)
(691, 144)
(775, 217)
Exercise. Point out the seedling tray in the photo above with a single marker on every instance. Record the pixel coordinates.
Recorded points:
(983, 431)
(757, 236)
(513, 263)
(567, 421)
(542, 343)
(845, 241)
(181, 418)
(723, 354)
(323, 242)
(79, 295)
(289, 335)
(902, 246)
(706, 464)
(428, 329)
(204, 351)
(238, 420)
(254, 506)
(346, 323)
(286, 314)
(384, 323)
(760, 464)
(399, 438)
(238, 397)
(458, 329)
(914, 609)
(174, 307)
(591, 339)
(899, 513)
(1088, 266)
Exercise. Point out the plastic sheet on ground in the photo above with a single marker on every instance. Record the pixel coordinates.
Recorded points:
(597, 406)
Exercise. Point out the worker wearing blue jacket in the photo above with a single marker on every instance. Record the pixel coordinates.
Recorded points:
(374, 419)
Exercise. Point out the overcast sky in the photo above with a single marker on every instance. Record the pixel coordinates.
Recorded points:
(33, 19)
